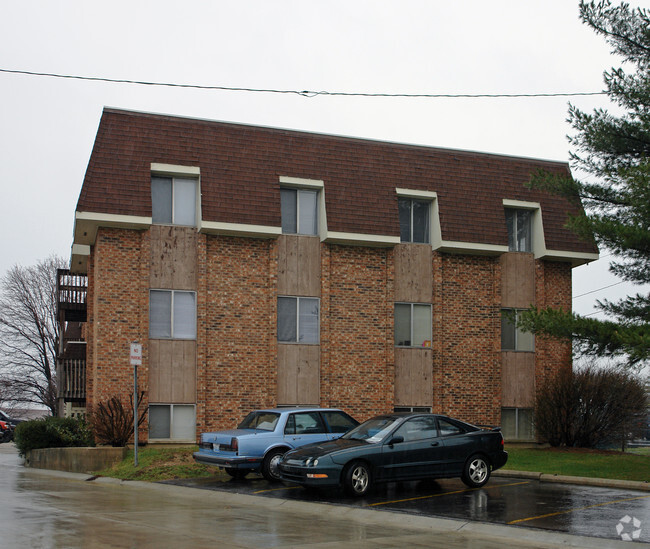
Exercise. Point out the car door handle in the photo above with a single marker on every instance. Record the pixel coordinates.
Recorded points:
(435, 444)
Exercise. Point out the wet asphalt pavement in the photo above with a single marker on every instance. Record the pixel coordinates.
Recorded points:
(518, 502)
(51, 509)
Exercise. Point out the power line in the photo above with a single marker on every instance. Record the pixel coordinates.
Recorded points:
(304, 93)
(599, 289)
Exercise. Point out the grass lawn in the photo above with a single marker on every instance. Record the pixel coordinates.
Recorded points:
(173, 463)
(161, 464)
(582, 462)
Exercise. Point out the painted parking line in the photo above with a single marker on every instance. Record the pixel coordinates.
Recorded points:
(448, 493)
(577, 509)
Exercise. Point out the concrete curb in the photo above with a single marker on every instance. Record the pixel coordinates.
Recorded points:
(584, 481)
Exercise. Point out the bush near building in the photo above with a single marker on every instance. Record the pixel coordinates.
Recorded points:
(52, 432)
(590, 408)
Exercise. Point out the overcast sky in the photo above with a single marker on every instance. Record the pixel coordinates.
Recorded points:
(48, 125)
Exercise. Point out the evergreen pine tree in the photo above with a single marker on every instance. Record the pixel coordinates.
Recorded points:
(610, 154)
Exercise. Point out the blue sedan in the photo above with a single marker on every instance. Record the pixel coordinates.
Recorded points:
(396, 447)
(264, 436)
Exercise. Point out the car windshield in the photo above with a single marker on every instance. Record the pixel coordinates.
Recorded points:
(372, 430)
(265, 421)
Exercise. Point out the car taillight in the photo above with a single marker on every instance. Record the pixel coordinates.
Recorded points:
(234, 444)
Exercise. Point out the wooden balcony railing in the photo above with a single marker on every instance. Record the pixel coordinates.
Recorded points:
(71, 382)
(71, 291)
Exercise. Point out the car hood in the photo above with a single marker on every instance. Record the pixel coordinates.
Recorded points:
(320, 449)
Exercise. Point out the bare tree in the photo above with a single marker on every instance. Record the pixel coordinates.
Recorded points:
(590, 407)
(29, 333)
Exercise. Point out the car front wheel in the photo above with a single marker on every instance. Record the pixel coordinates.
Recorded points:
(476, 472)
(270, 469)
(356, 480)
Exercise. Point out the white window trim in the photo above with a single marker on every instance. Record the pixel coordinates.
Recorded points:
(171, 423)
(517, 433)
(174, 169)
(430, 340)
(187, 172)
(434, 214)
(298, 183)
(172, 314)
(517, 310)
(297, 341)
(538, 241)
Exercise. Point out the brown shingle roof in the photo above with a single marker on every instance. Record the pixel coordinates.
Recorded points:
(241, 165)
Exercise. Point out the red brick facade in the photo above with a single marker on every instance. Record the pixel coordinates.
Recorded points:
(237, 262)
(236, 319)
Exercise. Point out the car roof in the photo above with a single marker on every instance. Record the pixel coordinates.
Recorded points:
(285, 409)
(400, 415)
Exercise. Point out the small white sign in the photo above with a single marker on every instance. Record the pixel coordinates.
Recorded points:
(136, 354)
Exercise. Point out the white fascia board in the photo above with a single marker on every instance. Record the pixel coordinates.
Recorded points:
(521, 204)
(79, 258)
(87, 223)
(412, 193)
(239, 229)
(174, 169)
(301, 183)
(357, 239)
(80, 249)
(471, 248)
(575, 258)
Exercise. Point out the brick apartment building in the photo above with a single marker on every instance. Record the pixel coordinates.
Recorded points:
(262, 267)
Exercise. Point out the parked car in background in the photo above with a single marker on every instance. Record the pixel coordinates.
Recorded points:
(4, 417)
(6, 431)
(264, 436)
(395, 447)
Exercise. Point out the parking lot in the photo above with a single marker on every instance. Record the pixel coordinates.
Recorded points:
(600, 512)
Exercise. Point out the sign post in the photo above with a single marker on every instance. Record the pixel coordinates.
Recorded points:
(136, 360)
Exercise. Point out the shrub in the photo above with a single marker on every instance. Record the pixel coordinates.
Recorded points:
(590, 407)
(52, 432)
(112, 423)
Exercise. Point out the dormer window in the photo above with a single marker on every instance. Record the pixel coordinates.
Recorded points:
(520, 230)
(414, 220)
(173, 200)
(299, 209)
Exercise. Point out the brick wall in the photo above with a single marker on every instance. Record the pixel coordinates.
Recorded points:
(357, 368)
(466, 337)
(236, 327)
(118, 303)
(552, 289)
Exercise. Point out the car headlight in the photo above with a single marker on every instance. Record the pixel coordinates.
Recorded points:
(311, 462)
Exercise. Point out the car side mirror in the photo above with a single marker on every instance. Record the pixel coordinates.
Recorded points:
(395, 440)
